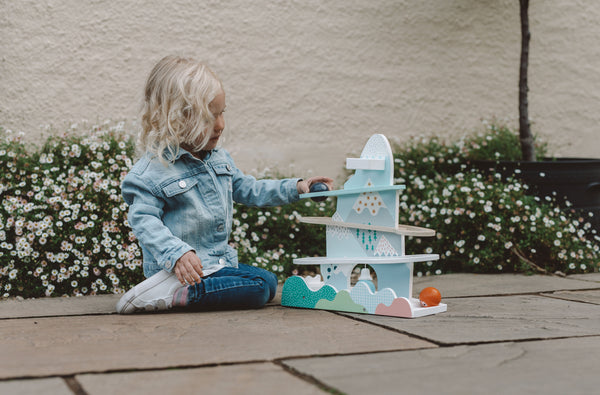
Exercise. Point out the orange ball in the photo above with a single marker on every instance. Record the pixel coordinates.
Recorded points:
(430, 297)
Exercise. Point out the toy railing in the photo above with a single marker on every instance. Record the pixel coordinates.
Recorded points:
(406, 230)
(353, 191)
(386, 260)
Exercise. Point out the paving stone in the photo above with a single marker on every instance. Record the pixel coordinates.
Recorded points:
(586, 277)
(257, 378)
(451, 285)
(62, 306)
(51, 386)
(565, 366)
(45, 307)
(465, 284)
(85, 344)
(489, 319)
(578, 296)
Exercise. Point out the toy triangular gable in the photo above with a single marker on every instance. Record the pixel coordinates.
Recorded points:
(374, 169)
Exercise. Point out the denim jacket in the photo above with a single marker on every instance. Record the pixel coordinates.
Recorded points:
(188, 205)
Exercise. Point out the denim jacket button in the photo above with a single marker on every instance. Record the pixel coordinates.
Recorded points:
(228, 167)
(168, 264)
(221, 261)
(220, 228)
(182, 184)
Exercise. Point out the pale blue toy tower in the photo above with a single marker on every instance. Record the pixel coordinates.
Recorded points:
(364, 231)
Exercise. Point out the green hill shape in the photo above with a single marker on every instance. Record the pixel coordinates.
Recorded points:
(342, 302)
(296, 293)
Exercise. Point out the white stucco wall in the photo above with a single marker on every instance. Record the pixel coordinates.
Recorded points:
(309, 81)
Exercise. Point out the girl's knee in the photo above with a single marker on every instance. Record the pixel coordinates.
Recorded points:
(272, 285)
(271, 279)
(261, 296)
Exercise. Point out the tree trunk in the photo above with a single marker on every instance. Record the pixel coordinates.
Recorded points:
(527, 146)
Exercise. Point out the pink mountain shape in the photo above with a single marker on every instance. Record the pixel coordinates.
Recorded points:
(400, 307)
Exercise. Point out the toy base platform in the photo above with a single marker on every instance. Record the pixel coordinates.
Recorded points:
(310, 294)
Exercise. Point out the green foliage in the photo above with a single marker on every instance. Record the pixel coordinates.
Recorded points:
(485, 224)
(498, 142)
(272, 237)
(63, 227)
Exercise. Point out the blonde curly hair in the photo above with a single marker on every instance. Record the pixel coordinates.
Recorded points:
(175, 110)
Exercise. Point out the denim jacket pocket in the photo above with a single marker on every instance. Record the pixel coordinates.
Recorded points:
(223, 169)
(224, 256)
(224, 172)
(179, 186)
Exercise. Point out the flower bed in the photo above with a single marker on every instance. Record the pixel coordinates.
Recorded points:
(63, 228)
(64, 231)
(486, 224)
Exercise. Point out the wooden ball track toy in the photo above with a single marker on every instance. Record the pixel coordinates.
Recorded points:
(363, 231)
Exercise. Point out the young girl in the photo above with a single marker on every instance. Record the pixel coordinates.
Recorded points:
(181, 193)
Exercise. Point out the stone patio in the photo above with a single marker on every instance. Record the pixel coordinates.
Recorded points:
(501, 334)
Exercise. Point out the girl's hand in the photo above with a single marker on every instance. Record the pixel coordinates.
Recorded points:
(304, 185)
(188, 268)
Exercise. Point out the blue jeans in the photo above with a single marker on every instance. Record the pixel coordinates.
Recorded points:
(242, 287)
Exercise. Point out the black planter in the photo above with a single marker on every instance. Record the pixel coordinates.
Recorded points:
(574, 179)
